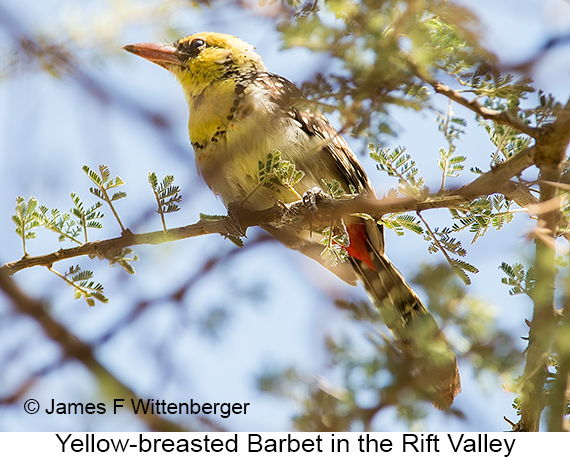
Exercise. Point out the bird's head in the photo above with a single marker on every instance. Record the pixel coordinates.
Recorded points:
(202, 59)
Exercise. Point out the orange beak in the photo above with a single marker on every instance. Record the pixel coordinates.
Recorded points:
(164, 55)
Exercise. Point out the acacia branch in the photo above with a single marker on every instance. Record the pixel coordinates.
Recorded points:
(501, 117)
(551, 152)
(107, 249)
(559, 394)
(497, 180)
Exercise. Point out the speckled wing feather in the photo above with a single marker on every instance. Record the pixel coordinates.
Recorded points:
(289, 97)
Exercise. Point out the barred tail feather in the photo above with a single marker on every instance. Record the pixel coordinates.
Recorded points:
(416, 333)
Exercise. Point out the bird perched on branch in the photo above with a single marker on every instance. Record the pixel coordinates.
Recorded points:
(245, 121)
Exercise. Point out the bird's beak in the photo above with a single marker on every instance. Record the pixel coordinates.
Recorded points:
(164, 55)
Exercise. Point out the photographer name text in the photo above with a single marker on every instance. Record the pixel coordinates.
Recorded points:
(147, 406)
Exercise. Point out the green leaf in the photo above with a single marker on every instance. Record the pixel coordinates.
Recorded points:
(521, 280)
(275, 171)
(483, 213)
(333, 188)
(287, 174)
(266, 175)
(334, 247)
(63, 224)
(153, 180)
(83, 285)
(118, 195)
(118, 182)
(104, 182)
(26, 219)
(399, 222)
(105, 172)
(211, 217)
(167, 195)
(124, 258)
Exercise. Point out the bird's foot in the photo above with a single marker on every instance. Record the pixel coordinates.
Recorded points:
(235, 228)
(312, 197)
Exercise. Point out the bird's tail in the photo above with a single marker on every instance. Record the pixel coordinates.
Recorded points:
(416, 332)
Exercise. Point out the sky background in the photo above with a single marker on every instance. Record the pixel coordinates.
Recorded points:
(274, 317)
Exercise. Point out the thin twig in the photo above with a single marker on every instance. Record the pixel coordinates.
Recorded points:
(501, 117)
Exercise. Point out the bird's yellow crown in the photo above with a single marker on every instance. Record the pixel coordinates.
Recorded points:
(207, 57)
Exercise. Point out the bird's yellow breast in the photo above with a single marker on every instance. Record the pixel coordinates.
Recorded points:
(209, 111)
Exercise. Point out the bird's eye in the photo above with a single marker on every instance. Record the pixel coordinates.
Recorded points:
(196, 44)
(192, 48)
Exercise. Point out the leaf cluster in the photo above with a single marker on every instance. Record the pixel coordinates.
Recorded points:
(399, 222)
(104, 183)
(506, 139)
(334, 188)
(70, 225)
(483, 213)
(88, 218)
(397, 163)
(274, 171)
(374, 42)
(452, 128)
(61, 223)
(83, 284)
(335, 245)
(522, 280)
(26, 219)
(547, 109)
(441, 241)
(499, 91)
(166, 194)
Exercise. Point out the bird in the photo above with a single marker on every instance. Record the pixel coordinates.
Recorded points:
(239, 114)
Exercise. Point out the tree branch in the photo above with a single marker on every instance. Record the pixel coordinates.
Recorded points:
(105, 249)
(501, 117)
(551, 152)
(497, 180)
(559, 394)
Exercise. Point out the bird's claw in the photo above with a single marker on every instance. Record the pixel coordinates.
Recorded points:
(311, 197)
(233, 218)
